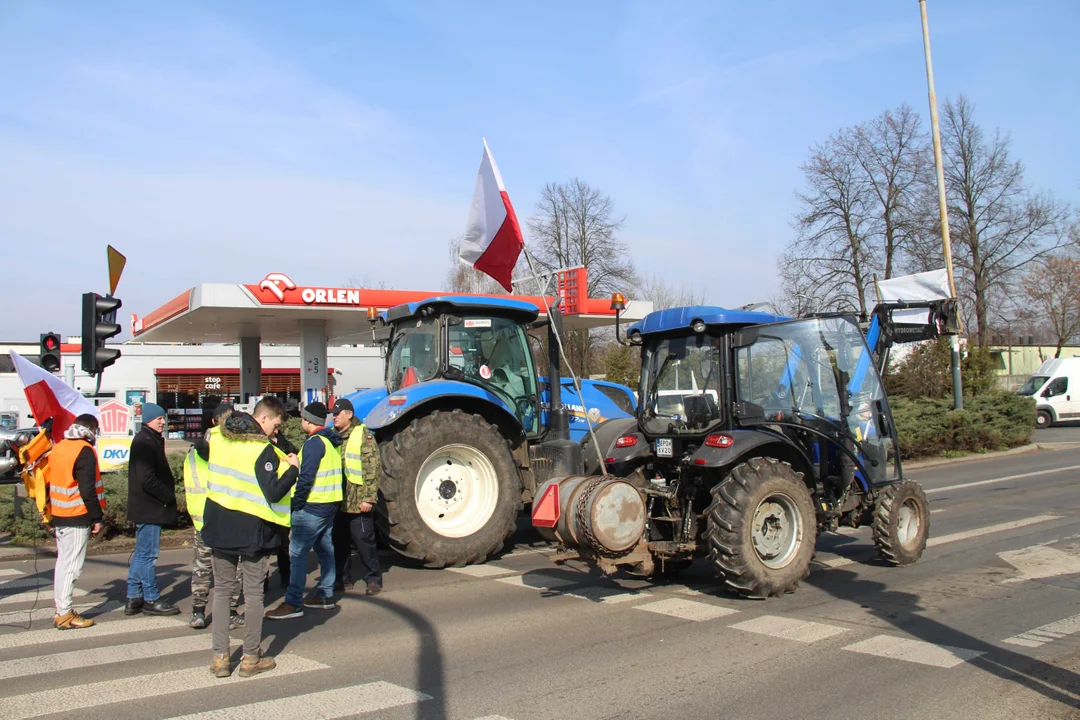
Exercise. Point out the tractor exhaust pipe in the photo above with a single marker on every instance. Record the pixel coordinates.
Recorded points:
(558, 417)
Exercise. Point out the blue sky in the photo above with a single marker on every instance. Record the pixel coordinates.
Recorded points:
(220, 141)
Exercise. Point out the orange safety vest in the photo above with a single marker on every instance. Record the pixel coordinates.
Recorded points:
(64, 497)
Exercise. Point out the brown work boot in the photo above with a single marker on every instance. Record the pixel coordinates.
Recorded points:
(220, 666)
(255, 664)
(71, 620)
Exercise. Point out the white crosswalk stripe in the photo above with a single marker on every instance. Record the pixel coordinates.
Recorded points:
(21, 617)
(790, 629)
(1046, 633)
(10, 572)
(118, 627)
(915, 651)
(325, 705)
(485, 570)
(78, 659)
(142, 687)
(42, 594)
(686, 609)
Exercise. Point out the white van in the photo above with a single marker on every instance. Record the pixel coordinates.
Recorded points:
(1052, 386)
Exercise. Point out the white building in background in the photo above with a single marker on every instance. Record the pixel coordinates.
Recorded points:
(189, 380)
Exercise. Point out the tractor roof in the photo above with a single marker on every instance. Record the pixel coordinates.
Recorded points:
(470, 304)
(676, 319)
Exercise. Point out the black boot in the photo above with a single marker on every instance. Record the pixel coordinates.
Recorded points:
(134, 606)
(160, 607)
(198, 618)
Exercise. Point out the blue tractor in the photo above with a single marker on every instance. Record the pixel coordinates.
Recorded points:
(467, 428)
(754, 433)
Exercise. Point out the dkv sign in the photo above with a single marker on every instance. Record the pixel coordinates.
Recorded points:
(114, 452)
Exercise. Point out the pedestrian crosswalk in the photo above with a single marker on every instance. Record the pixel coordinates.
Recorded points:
(341, 702)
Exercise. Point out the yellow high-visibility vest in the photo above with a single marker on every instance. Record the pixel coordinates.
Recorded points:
(354, 459)
(196, 473)
(327, 487)
(232, 483)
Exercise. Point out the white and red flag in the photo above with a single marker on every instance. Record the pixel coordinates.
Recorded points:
(493, 241)
(50, 397)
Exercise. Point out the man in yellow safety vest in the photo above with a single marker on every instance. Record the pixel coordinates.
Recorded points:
(247, 498)
(196, 474)
(355, 520)
(315, 502)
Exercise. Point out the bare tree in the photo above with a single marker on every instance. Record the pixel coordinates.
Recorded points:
(575, 225)
(663, 296)
(998, 227)
(833, 252)
(1053, 288)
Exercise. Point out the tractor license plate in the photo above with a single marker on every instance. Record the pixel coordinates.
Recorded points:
(663, 447)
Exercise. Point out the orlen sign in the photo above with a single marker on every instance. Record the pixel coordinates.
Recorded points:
(279, 289)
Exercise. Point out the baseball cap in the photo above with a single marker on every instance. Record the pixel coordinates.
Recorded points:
(342, 404)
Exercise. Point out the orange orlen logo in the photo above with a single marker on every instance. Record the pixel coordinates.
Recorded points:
(114, 417)
(278, 288)
(277, 283)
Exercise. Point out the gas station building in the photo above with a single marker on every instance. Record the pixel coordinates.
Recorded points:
(236, 342)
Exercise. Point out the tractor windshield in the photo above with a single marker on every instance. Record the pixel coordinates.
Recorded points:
(681, 381)
(414, 353)
(818, 371)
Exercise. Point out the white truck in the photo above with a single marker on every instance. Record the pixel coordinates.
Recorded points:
(1052, 386)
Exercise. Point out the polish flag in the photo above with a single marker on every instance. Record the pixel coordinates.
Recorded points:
(50, 397)
(493, 240)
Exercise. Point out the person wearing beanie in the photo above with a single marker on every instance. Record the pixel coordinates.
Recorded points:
(314, 504)
(151, 506)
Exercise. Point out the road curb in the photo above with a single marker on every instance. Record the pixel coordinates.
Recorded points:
(975, 457)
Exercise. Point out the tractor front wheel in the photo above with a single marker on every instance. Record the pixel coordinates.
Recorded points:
(451, 488)
(762, 528)
(901, 523)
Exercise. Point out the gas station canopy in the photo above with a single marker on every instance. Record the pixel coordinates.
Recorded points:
(275, 310)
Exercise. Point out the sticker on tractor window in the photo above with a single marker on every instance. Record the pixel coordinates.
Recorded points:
(477, 322)
(485, 372)
(663, 447)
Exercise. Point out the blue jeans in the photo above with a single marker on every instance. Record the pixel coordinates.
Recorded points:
(310, 531)
(142, 573)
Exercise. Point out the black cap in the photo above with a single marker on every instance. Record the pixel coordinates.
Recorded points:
(314, 413)
(342, 404)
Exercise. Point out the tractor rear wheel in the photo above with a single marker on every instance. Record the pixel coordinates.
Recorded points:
(762, 528)
(901, 523)
(451, 489)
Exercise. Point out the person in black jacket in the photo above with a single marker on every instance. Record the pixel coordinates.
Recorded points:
(151, 506)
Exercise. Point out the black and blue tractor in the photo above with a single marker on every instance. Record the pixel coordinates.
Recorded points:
(753, 433)
(467, 427)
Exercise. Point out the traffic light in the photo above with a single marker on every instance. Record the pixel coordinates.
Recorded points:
(49, 351)
(98, 325)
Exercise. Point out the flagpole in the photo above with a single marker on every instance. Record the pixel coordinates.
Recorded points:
(562, 352)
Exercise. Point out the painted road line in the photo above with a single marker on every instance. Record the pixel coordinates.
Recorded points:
(608, 596)
(485, 570)
(11, 572)
(1046, 633)
(529, 551)
(78, 659)
(108, 629)
(989, 529)
(1007, 478)
(537, 581)
(915, 651)
(325, 705)
(142, 687)
(1039, 561)
(848, 560)
(43, 594)
(939, 510)
(8, 586)
(21, 617)
(686, 609)
(493, 717)
(790, 629)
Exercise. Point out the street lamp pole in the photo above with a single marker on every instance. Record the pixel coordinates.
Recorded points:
(943, 206)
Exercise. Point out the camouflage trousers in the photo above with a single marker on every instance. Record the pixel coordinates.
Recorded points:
(202, 572)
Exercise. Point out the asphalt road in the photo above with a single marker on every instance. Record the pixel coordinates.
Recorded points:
(986, 625)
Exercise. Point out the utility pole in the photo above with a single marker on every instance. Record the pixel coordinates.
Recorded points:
(943, 207)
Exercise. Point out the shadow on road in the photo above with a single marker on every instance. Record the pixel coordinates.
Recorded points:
(900, 609)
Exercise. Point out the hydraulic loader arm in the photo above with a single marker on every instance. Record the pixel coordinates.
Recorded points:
(883, 332)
